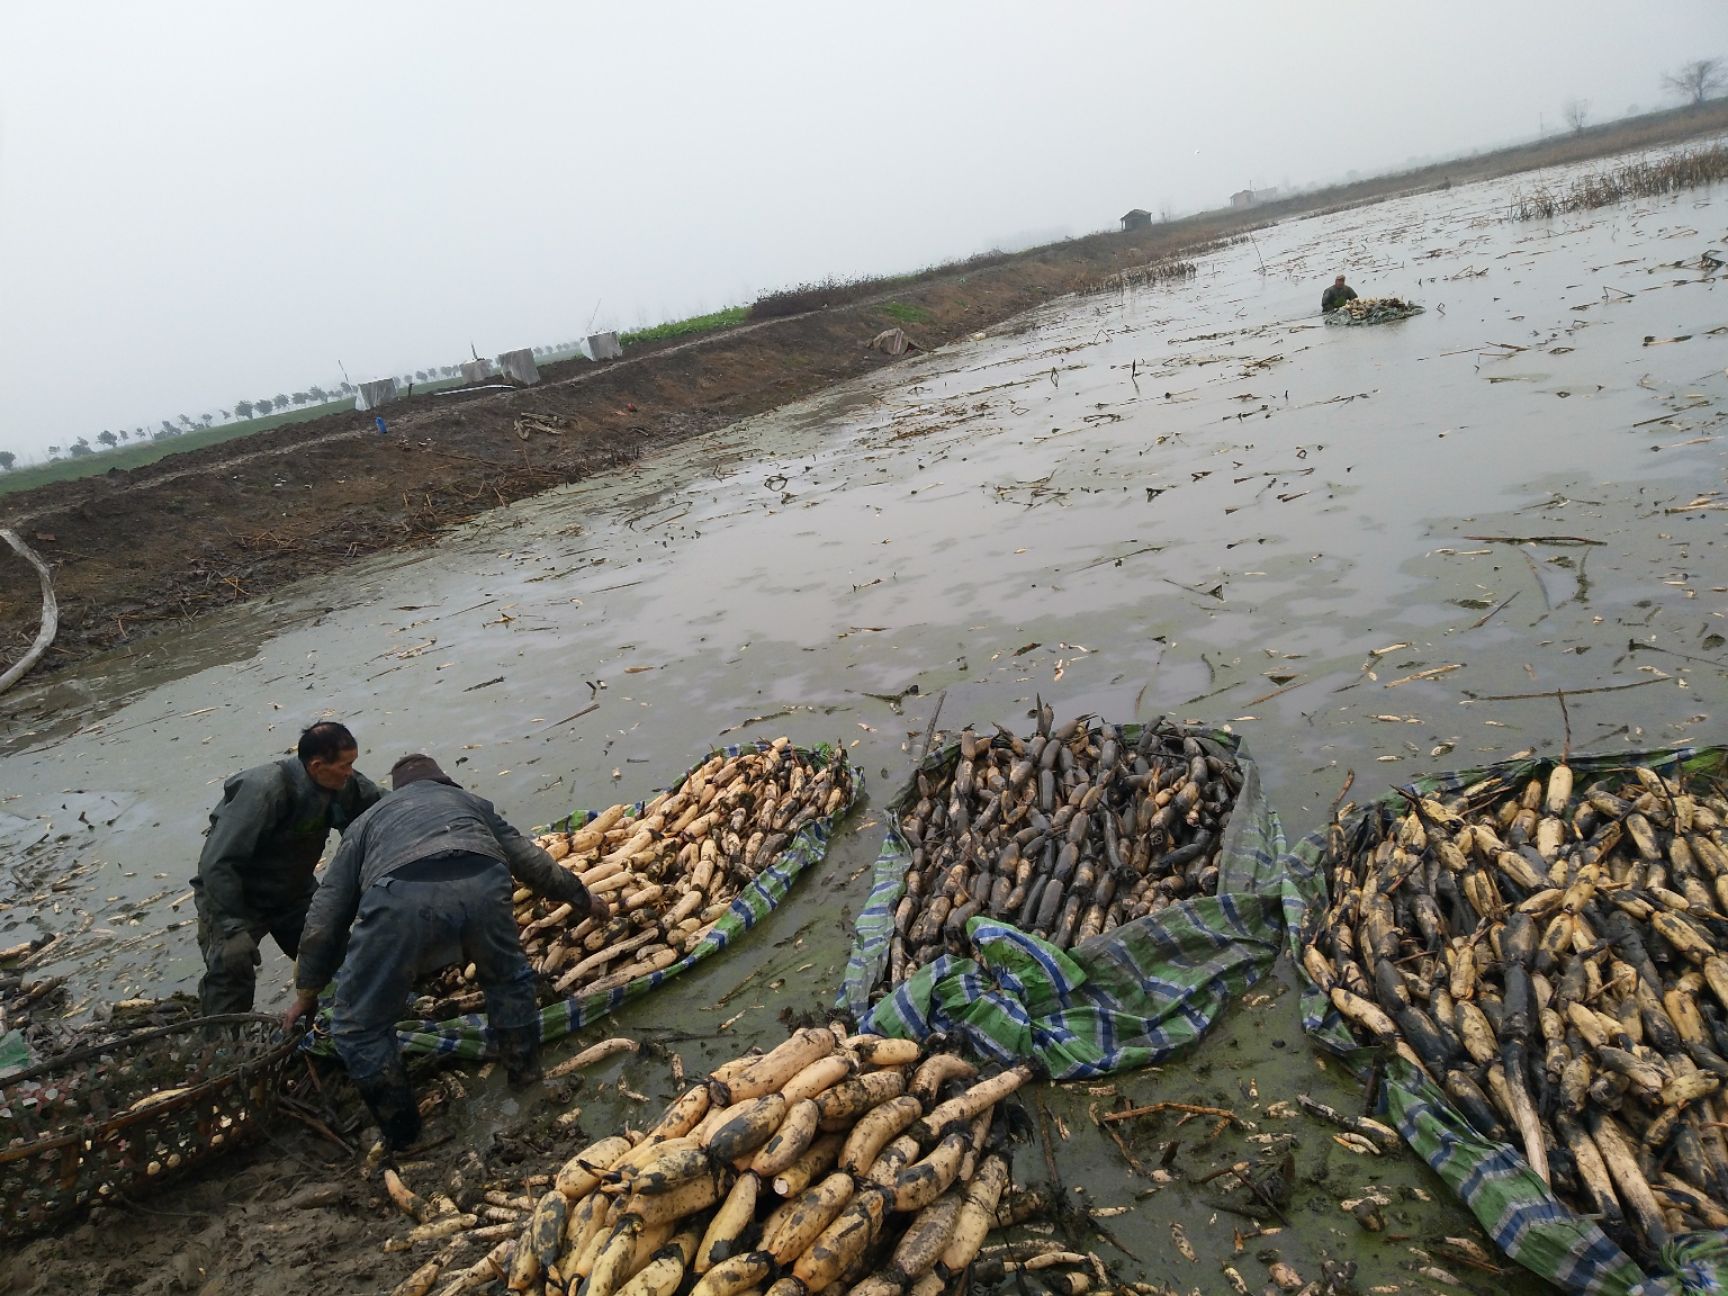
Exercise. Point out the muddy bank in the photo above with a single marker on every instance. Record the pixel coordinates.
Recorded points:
(210, 528)
(1373, 552)
(217, 526)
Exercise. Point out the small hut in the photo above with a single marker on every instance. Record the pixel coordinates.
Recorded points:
(519, 367)
(603, 346)
(371, 395)
(1139, 218)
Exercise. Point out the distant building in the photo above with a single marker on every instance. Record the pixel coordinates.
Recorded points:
(371, 395)
(1252, 197)
(602, 346)
(519, 367)
(1139, 218)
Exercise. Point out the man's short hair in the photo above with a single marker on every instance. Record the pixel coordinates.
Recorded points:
(326, 740)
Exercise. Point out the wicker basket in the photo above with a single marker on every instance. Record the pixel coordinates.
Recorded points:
(101, 1120)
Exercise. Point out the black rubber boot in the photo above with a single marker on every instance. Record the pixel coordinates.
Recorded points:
(390, 1099)
(519, 1051)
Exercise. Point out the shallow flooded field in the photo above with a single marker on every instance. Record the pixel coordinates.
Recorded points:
(1374, 551)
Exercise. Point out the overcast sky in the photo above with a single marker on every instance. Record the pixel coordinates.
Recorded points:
(204, 202)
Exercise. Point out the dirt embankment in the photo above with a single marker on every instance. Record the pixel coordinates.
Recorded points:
(206, 529)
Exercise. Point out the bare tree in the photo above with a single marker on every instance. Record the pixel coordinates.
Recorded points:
(1697, 80)
(1575, 114)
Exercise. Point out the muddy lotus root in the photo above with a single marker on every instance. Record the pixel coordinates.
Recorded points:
(1066, 834)
(668, 873)
(1552, 957)
(833, 1162)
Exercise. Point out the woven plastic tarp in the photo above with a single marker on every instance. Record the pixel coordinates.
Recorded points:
(1119, 1001)
(467, 1035)
(1492, 1178)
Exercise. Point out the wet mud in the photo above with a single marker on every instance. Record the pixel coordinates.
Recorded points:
(1372, 552)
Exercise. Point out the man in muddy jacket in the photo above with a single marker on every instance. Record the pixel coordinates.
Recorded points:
(424, 880)
(1335, 296)
(255, 875)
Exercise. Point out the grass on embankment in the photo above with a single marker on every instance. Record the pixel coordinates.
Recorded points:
(685, 327)
(906, 313)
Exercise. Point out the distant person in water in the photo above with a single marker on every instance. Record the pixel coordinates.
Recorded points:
(1335, 296)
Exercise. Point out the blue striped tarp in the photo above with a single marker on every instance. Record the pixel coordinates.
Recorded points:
(1119, 1001)
(1507, 1197)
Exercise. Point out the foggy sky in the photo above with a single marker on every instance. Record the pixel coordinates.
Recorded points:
(204, 202)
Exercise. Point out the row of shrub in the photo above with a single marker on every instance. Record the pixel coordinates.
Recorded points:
(840, 292)
(1642, 178)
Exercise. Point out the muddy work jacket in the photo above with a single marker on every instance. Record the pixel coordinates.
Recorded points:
(265, 838)
(1336, 296)
(423, 820)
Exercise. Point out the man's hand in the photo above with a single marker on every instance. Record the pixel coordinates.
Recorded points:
(239, 952)
(305, 1001)
(598, 909)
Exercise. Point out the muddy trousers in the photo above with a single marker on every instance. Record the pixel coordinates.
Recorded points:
(222, 991)
(427, 915)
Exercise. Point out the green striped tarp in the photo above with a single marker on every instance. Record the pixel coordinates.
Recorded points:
(1122, 1000)
(1493, 1179)
(467, 1035)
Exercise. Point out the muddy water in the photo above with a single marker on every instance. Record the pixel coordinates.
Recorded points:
(1195, 501)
